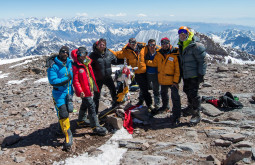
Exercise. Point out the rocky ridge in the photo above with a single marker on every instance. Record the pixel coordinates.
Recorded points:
(29, 122)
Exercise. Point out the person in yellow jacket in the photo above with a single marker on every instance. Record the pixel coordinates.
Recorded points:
(134, 53)
(168, 76)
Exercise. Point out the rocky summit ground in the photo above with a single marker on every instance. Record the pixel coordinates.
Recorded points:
(28, 122)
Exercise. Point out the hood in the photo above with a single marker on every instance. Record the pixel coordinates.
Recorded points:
(75, 59)
(74, 55)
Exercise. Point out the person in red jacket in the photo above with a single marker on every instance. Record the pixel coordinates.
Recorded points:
(84, 84)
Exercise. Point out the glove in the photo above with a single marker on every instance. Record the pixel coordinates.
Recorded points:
(200, 78)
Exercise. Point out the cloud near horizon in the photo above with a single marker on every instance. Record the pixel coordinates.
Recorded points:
(116, 15)
(142, 15)
(82, 14)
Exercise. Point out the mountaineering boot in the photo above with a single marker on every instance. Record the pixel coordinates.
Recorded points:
(151, 108)
(175, 121)
(101, 131)
(94, 124)
(186, 111)
(83, 123)
(65, 126)
(196, 117)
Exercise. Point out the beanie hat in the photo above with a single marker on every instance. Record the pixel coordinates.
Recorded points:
(64, 48)
(82, 51)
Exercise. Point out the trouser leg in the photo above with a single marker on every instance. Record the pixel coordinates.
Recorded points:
(83, 111)
(94, 123)
(141, 79)
(153, 78)
(165, 96)
(91, 112)
(83, 117)
(192, 86)
(65, 125)
(110, 84)
(176, 102)
(96, 97)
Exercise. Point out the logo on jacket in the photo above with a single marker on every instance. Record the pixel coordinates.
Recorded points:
(171, 59)
(81, 70)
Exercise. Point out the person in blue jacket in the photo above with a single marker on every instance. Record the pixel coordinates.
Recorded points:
(60, 77)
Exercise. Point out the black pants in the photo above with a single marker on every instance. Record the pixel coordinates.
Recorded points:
(141, 80)
(88, 105)
(110, 84)
(175, 99)
(190, 87)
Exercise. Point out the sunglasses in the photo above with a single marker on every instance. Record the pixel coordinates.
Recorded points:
(82, 53)
(152, 45)
(182, 31)
(165, 42)
(64, 51)
(132, 43)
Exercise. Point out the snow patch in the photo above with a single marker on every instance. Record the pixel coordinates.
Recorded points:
(217, 39)
(42, 80)
(12, 82)
(23, 63)
(8, 61)
(237, 61)
(4, 75)
(111, 152)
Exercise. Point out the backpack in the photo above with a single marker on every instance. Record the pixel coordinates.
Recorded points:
(229, 101)
(50, 61)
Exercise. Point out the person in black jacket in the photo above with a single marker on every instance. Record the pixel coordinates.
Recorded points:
(193, 68)
(102, 60)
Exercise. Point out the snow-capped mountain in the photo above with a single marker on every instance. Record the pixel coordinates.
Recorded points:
(243, 40)
(33, 36)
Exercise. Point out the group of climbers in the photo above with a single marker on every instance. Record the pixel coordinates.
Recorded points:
(162, 66)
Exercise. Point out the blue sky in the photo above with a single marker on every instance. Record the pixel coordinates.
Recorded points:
(212, 11)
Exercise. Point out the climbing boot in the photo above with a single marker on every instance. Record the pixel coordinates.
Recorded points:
(101, 131)
(186, 111)
(175, 121)
(83, 123)
(65, 126)
(195, 118)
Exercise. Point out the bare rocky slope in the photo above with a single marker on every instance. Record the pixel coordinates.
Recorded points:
(28, 122)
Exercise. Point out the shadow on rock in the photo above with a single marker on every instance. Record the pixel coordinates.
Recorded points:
(42, 137)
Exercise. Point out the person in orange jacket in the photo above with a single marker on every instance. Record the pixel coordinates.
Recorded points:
(168, 76)
(134, 53)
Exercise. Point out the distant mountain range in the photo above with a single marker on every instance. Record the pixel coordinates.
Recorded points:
(33, 36)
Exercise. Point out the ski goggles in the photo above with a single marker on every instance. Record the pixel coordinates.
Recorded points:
(82, 53)
(182, 31)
